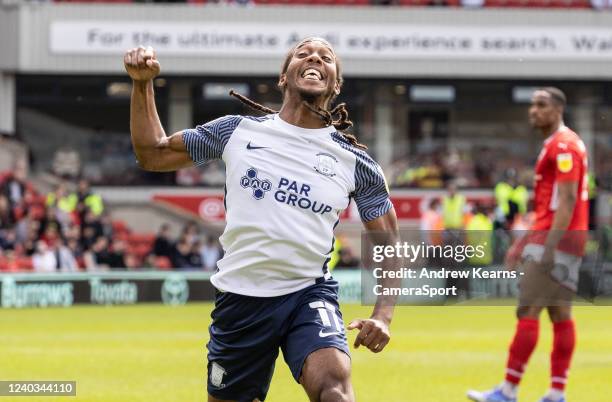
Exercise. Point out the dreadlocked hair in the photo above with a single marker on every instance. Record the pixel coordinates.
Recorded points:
(343, 122)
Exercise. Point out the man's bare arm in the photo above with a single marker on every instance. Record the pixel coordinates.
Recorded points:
(154, 150)
(567, 196)
(387, 226)
(374, 332)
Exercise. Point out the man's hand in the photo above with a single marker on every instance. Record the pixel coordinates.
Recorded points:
(513, 257)
(374, 334)
(141, 63)
(548, 259)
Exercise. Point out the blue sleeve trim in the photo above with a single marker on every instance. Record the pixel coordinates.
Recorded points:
(207, 141)
(371, 194)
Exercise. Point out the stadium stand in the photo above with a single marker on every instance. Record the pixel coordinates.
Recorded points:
(44, 229)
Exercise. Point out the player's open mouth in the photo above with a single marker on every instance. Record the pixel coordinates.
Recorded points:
(312, 74)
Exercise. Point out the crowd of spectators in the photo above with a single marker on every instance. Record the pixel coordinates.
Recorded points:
(192, 250)
(72, 230)
(61, 231)
(481, 167)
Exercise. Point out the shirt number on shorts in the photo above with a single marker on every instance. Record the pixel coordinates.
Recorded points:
(329, 318)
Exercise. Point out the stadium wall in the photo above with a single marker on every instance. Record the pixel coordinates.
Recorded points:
(33, 27)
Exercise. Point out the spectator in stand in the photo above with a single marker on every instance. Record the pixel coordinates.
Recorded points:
(511, 198)
(431, 223)
(484, 166)
(163, 246)
(64, 258)
(7, 216)
(14, 186)
(72, 232)
(75, 249)
(60, 199)
(98, 257)
(43, 259)
(55, 235)
(131, 262)
(453, 207)
(8, 240)
(55, 258)
(479, 232)
(116, 259)
(150, 262)
(51, 235)
(195, 259)
(85, 200)
(106, 224)
(91, 223)
(10, 262)
(190, 232)
(88, 237)
(29, 245)
(210, 253)
(183, 258)
(22, 227)
(50, 220)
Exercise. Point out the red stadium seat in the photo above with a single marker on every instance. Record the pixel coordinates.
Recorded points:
(163, 263)
(25, 263)
(141, 250)
(81, 263)
(496, 3)
(124, 236)
(120, 226)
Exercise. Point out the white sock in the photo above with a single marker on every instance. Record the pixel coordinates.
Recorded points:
(509, 389)
(554, 394)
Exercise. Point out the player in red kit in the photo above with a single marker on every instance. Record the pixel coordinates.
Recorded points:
(551, 253)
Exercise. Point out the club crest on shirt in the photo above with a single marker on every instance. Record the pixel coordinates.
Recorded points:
(564, 162)
(326, 164)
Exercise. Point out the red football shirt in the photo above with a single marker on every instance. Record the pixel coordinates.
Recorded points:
(563, 158)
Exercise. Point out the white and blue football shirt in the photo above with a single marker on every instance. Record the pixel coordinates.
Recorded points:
(285, 189)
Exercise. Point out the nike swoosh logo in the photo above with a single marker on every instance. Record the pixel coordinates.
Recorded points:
(249, 146)
(326, 334)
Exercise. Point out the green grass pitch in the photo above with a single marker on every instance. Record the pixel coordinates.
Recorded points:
(156, 353)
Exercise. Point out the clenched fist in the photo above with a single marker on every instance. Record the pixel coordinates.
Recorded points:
(141, 63)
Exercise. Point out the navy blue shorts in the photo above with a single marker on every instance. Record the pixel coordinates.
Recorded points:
(247, 332)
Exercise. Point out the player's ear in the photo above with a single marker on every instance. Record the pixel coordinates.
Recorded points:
(282, 80)
(337, 88)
